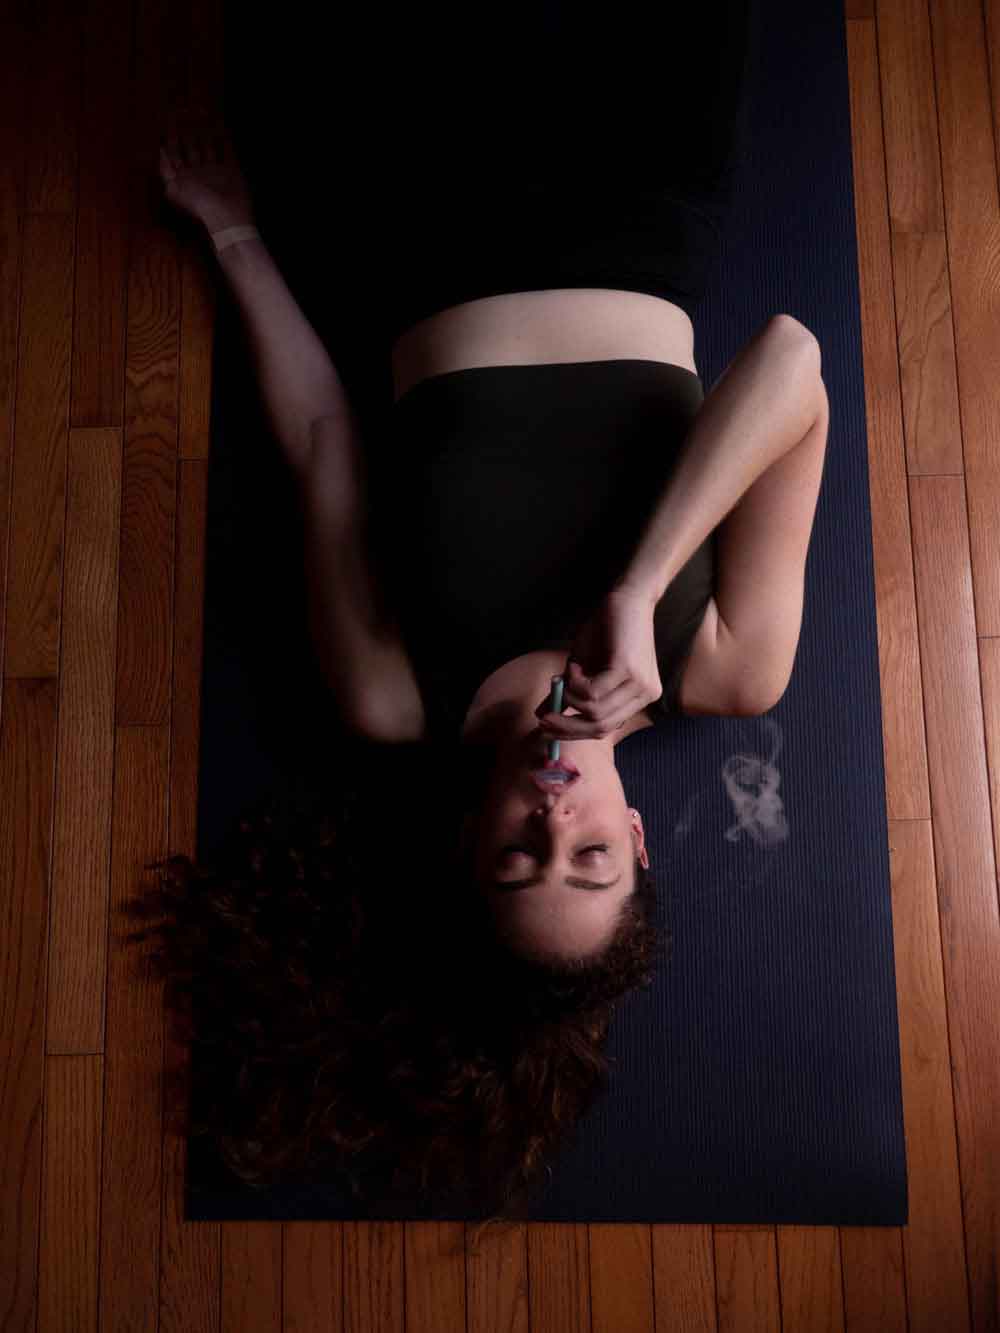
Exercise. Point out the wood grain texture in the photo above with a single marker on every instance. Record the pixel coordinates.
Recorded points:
(559, 1274)
(927, 369)
(313, 1277)
(27, 772)
(895, 599)
(81, 848)
(972, 217)
(38, 488)
(435, 1276)
(71, 1193)
(52, 104)
(965, 863)
(812, 1282)
(13, 40)
(684, 1278)
(621, 1278)
(373, 1277)
(746, 1274)
(497, 1281)
(874, 1284)
(133, 1052)
(909, 117)
(251, 1277)
(106, 320)
(102, 216)
(934, 1241)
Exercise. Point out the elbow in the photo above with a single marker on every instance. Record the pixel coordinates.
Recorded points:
(793, 330)
(759, 701)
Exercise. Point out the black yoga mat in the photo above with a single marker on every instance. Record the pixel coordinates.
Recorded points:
(758, 1079)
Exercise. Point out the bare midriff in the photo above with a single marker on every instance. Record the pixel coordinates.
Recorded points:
(563, 324)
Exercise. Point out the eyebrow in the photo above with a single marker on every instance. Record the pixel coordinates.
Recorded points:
(509, 886)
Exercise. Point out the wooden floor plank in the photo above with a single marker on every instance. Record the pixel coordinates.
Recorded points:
(874, 1281)
(934, 1242)
(435, 1277)
(81, 850)
(812, 1283)
(52, 105)
(621, 1278)
(497, 1280)
(133, 1062)
(684, 1277)
(13, 40)
(966, 122)
(909, 118)
(373, 1277)
(746, 1274)
(145, 627)
(27, 776)
(895, 599)
(71, 1194)
(559, 1277)
(146, 570)
(251, 1277)
(927, 366)
(312, 1281)
(972, 213)
(965, 864)
(38, 500)
(102, 228)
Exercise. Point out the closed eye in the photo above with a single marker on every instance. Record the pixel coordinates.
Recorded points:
(507, 886)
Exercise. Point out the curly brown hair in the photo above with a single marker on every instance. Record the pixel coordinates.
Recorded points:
(349, 1019)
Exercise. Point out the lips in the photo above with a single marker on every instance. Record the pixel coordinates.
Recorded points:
(552, 784)
(562, 765)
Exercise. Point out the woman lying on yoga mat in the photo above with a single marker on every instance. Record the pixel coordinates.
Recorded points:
(562, 499)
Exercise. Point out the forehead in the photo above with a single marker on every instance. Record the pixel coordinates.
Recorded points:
(564, 919)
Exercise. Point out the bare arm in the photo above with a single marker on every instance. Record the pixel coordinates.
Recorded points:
(358, 647)
(298, 380)
(751, 466)
(358, 643)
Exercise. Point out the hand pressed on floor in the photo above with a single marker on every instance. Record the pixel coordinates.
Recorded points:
(201, 175)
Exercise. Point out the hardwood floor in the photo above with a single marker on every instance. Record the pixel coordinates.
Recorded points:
(106, 321)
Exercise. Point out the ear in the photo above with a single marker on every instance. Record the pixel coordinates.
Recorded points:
(637, 828)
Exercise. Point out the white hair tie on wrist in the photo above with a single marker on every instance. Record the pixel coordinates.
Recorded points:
(230, 235)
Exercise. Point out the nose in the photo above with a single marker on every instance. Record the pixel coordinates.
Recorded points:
(550, 803)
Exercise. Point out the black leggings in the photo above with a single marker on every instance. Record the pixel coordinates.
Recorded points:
(568, 145)
(404, 161)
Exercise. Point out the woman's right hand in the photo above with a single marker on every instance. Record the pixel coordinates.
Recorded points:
(201, 175)
(612, 673)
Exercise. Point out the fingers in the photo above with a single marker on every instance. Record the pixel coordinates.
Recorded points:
(593, 718)
(197, 136)
(582, 728)
(575, 679)
(583, 692)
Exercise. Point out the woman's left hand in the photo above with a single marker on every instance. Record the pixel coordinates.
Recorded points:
(613, 671)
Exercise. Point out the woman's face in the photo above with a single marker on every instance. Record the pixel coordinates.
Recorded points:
(556, 867)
